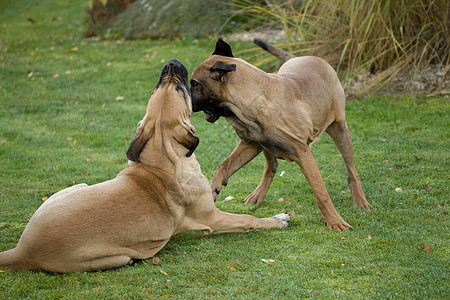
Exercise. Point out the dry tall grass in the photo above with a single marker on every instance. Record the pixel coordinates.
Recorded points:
(383, 36)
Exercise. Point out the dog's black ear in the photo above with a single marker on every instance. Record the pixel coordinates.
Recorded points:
(135, 149)
(222, 48)
(185, 135)
(137, 144)
(220, 70)
(193, 144)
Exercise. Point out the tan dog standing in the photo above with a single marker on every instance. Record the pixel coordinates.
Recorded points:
(160, 194)
(281, 115)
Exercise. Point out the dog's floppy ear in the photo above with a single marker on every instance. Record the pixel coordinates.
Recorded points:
(186, 137)
(220, 69)
(222, 48)
(137, 144)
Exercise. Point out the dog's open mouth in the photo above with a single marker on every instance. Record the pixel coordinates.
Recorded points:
(211, 117)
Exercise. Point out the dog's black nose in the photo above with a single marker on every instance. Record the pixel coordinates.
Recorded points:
(174, 67)
(174, 62)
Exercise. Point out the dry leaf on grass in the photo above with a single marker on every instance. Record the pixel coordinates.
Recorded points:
(228, 199)
(155, 261)
(268, 260)
(427, 248)
(162, 272)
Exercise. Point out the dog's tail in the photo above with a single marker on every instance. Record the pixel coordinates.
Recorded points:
(277, 52)
(12, 260)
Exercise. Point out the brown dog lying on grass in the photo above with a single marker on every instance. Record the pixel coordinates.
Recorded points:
(281, 115)
(160, 194)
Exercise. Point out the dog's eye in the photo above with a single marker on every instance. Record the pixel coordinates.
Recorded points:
(194, 83)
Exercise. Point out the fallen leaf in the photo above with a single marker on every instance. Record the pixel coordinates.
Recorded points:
(69, 138)
(55, 76)
(162, 272)
(268, 260)
(44, 198)
(67, 72)
(155, 261)
(119, 98)
(88, 159)
(398, 190)
(427, 248)
(233, 269)
(103, 105)
(74, 49)
(31, 20)
(429, 187)
(30, 74)
(92, 124)
(280, 200)
(287, 200)
(368, 237)
(343, 238)
(364, 108)
(344, 202)
(317, 293)
(74, 142)
(228, 199)
(83, 172)
(299, 206)
(352, 97)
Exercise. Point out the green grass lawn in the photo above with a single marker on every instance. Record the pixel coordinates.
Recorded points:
(68, 111)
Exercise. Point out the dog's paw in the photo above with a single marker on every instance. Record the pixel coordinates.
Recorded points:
(283, 218)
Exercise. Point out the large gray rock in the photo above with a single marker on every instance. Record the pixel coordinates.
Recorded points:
(162, 18)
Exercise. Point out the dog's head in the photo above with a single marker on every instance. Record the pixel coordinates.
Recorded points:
(167, 117)
(209, 79)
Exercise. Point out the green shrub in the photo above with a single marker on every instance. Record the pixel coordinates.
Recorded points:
(100, 12)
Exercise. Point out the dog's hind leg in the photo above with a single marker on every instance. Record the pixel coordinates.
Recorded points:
(258, 195)
(341, 136)
(241, 155)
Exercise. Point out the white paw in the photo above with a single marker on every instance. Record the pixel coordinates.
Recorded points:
(283, 218)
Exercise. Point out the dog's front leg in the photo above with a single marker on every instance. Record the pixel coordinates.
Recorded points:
(305, 160)
(241, 155)
(222, 222)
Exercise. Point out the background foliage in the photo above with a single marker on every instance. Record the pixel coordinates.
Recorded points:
(385, 37)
